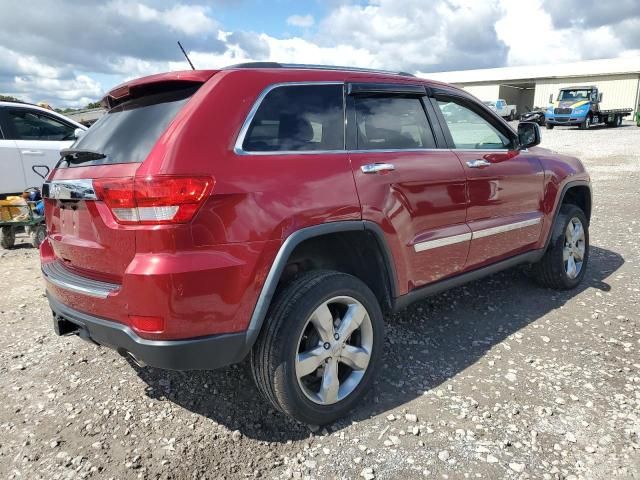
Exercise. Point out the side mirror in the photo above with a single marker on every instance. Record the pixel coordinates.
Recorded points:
(551, 98)
(78, 133)
(528, 134)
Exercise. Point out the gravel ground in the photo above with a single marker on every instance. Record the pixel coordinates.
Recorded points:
(497, 379)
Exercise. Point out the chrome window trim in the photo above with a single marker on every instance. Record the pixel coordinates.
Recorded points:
(80, 189)
(464, 237)
(506, 228)
(238, 149)
(441, 242)
(58, 275)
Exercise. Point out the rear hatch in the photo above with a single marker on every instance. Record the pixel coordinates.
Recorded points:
(85, 235)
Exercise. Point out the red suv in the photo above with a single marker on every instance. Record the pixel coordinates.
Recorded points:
(278, 210)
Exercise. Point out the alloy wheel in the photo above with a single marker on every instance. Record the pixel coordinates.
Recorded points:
(574, 248)
(334, 350)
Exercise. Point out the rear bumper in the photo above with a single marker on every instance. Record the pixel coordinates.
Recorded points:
(203, 353)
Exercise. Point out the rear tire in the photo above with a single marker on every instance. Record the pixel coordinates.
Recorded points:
(37, 235)
(564, 263)
(300, 327)
(7, 237)
(512, 116)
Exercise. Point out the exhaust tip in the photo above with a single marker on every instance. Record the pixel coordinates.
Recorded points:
(130, 356)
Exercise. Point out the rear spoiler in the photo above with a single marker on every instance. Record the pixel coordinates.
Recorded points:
(161, 82)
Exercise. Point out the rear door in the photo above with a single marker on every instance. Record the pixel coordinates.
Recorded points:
(82, 231)
(505, 185)
(39, 138)
(11, 175)
(414, 190)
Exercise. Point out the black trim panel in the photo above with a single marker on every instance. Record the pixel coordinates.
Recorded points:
(385, 89)
(204, 353)
(440, 286)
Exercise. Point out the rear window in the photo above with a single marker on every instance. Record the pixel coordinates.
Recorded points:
(394, 123)
(128, 132)
(298, 118)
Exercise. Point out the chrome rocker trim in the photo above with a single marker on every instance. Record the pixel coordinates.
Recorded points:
(465, 237)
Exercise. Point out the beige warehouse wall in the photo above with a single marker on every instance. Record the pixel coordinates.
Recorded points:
(484, 92)
(619, 91)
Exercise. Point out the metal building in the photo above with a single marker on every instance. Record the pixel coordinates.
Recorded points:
(532, 86)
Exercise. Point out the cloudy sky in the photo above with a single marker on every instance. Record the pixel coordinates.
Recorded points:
(69, 52)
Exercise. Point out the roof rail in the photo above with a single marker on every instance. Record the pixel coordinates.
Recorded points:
(303, 66)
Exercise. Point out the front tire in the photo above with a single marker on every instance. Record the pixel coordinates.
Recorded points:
(564, 263)
(320, 347)
(586, 125)
(549, 126)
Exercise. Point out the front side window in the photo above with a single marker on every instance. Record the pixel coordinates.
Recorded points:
(469, 130)
(298, 118)
(394, 123)
(32, 125)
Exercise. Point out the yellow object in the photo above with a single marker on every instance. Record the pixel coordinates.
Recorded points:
(14, 209)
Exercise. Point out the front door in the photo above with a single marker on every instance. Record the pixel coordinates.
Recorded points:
(405, 184)
(39, 138)
(505, 185)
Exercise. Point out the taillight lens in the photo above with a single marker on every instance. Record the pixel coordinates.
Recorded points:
(153, 200)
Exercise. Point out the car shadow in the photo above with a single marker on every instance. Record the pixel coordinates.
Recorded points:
(441, 336)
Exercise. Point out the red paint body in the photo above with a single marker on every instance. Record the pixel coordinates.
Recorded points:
(204, 277)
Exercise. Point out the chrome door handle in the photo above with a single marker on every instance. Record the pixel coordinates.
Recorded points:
(32, 152)
(478, 163)
(377, 167)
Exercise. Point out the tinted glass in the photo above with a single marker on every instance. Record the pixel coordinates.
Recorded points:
(470, 130)
(33, 125)
(128, 132)
(392, 123)
(298, 118)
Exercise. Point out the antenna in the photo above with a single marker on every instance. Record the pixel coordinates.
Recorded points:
(186, 56)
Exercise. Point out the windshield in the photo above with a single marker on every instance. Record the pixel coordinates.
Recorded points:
(128, 132)
(574, 95)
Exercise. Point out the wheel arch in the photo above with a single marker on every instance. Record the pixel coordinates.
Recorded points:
(308, 240)
(577, 192)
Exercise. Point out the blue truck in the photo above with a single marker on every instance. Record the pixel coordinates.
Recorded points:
(581, 106)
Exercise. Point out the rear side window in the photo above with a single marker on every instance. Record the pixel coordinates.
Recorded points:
(33, 125)
(128, 132)
(298, 118)
(395, 123)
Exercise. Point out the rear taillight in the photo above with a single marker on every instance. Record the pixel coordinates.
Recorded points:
(153, 200)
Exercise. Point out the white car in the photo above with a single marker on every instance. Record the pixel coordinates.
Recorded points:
(501, 108)
(30, 136)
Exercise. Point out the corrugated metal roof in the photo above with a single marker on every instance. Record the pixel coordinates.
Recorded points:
(607, 66)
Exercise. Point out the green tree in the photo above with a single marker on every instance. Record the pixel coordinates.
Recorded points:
(9, 98)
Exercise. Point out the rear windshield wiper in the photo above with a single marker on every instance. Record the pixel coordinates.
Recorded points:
(79, 155)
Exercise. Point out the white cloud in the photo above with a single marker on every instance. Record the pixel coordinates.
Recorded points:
(186, 19)
(545, 43)
(39, 60)
(303, 21)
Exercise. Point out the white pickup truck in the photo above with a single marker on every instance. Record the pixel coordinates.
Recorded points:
(501, 108)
